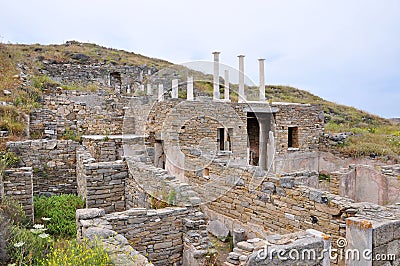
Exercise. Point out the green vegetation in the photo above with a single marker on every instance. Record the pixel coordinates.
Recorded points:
(61, 211)
(372, 134)
(9, 160)
(72, 135)
(324, 177)
(29, 246)
(11, 120)
(70, 252)
(46, 243)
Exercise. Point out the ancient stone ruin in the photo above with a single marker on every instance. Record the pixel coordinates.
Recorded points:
(161, 173)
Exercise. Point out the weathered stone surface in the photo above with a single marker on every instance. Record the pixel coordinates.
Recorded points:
(239, 235)
(218, 229)
(245, 246)
(84, 214)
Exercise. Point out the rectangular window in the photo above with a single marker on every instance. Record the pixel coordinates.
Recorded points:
(225, 139)
(293, 137)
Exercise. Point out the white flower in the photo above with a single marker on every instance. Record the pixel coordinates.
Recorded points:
(19, 244)
(43, 235)
(46, 219)
(38, 226)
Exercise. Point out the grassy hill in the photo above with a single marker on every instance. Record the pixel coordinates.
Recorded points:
(372, 134)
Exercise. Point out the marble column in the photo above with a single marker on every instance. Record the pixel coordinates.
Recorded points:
(160, 92)
(263, 141)
(189, 94)
(226, 85)
(271, 152)
(216, 95)
(262, 80)
(242, 97)
(175, 84)
(149, 89)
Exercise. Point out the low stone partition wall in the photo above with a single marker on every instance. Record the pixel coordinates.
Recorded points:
(164, 236)
(17, 184)
(364, 183)
(53, 164)
(101, 184)
(147, 183)
(330, 182)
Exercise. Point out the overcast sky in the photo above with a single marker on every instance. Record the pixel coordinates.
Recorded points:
(346, 51)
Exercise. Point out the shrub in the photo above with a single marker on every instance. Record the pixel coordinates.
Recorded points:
(12, 211)
(41, 82)
(11, 120)
(9, 160)
(61, 211)
(72, 135)
(28, 247)
(70, 252)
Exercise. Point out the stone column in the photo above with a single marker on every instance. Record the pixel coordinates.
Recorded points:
(263, 141)
(271, 152)
(262, 80)
(160, 92)
(175, 84)
(242, 97)
(189, 93)
(226, 85)
(216, 95)
(149, 89)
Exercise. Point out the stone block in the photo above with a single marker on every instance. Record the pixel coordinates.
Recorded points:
(218, 229)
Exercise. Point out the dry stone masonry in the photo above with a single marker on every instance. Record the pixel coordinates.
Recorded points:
(159, 173)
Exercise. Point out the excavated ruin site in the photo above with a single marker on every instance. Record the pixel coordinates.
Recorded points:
(166, 170)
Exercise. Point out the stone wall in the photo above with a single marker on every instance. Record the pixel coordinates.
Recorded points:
(17, 184)
(266, 204)
(53, 163)
(104, 148)
(308, 118)
(147, 183)
(101, 184)
(121, 78)
(364, 183)
(162, 235)
(80, 112)
(120, 252)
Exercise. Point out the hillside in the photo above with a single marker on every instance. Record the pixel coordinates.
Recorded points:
(370, 134)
